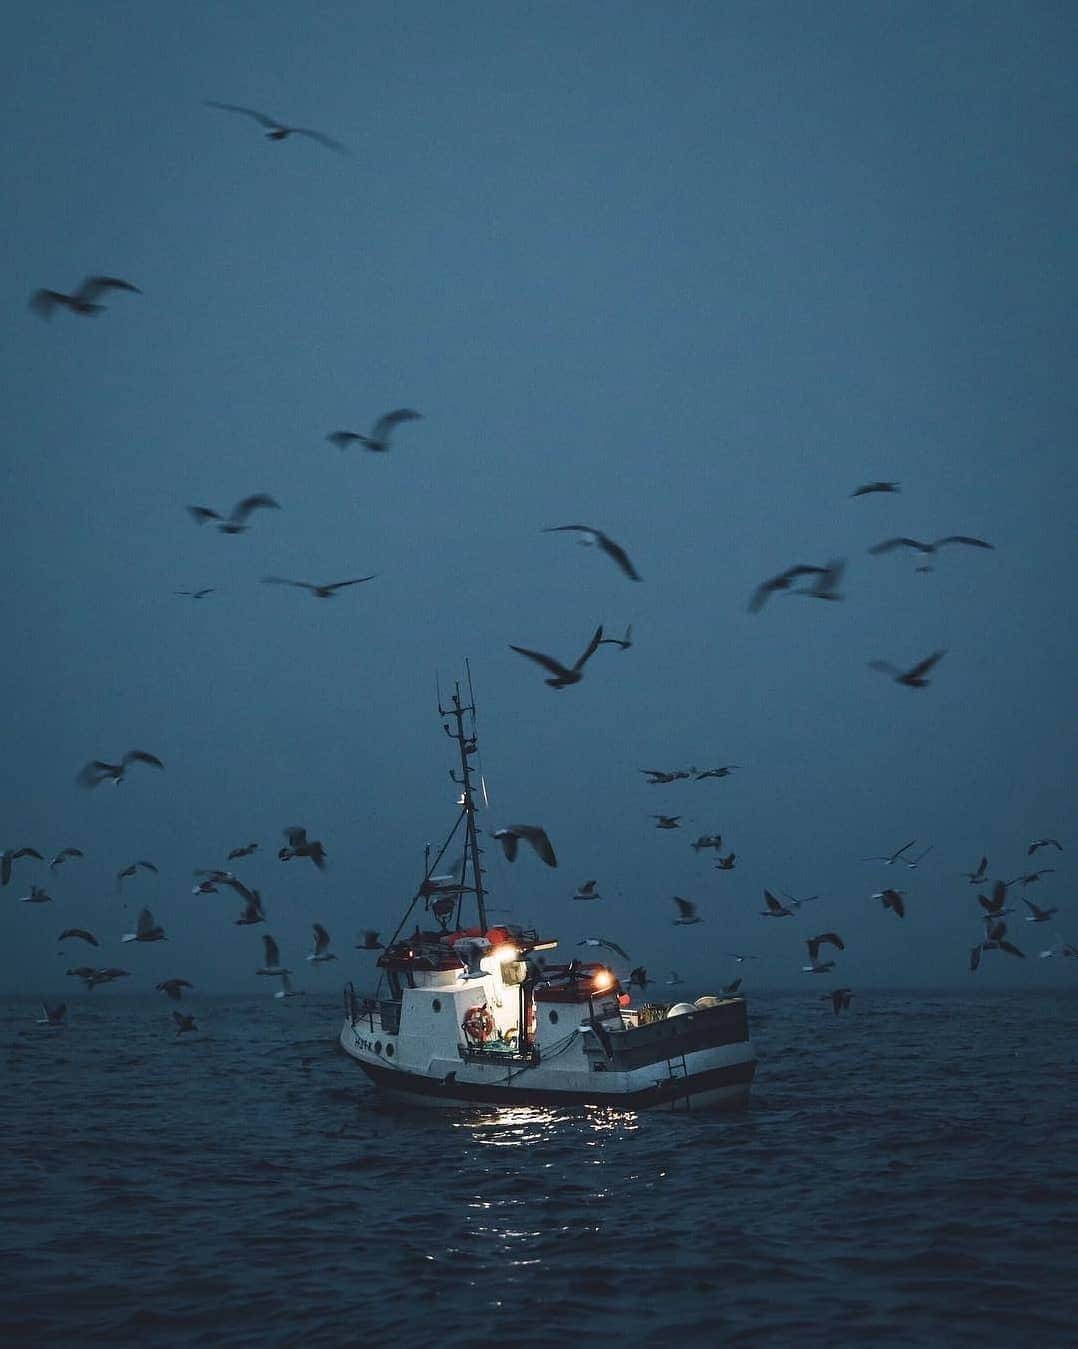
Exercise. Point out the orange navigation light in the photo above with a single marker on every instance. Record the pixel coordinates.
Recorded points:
(602, 981)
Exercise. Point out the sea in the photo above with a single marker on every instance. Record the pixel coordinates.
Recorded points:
(906, 1174)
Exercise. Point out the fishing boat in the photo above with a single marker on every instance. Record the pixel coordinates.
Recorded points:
(473, 1013)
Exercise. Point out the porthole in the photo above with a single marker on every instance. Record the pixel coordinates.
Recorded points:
(389, 1051)
(553, 1018)
(377, 1046)
(436, 1005)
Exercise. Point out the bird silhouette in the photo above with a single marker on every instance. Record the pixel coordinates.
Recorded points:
(783, 581)
(914, 678)
(533, 834)
(81, 301)
(869, 487)
(380, 438)
(11, 855)
(98, 771)
(236, 522)
(889, 545)
(276, 130)
(595, 538)
(322, 592)
(562, 676)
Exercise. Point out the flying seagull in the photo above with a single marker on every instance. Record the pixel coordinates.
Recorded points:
(639, 977)
(245, 851)
(733, 989)
(869, 487)
(674, 979)
(534, 834)
(379, 439)
(37, 895)
(659, 776)
(823, 939)
(286, 990)
(323, 592)
(723, 772)
(54, 1015)
(62, 856)
(196, 594)
(595, 538)
(272, 962)
(775, 908)
(299, 846)
(686, 912)
(914, 862)
(253, 911)
(825, 584)
(97, 771)
(277, 130)
(83, 300)
(604, 941)
(12, 855)
(977, 876)
(183, 1022)
(994, 906)
(589, 890)
(173, 988)
(839, 998)
(807, 899)
(667, 821)
(707, 841)
(321, 952)
(562, 676)
(236, 523)
(79, 932)
(147, 929)
(741, 957)
(892, 899)
(1030, 877)
(726, 863)
(914, 678)
(623, 642)
(889, 545)
(1043, 843)
(132, 870)
(783, 581)
(370, 941)
(1037, 914)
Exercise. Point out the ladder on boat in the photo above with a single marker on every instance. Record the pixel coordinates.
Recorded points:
(677, 1071)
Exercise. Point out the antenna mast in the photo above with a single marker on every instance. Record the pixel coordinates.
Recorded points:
(467, 746)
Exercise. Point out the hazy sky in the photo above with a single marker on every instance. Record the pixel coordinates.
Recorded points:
(688, 272)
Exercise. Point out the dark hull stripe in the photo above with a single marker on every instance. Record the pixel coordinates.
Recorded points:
(672, 1089)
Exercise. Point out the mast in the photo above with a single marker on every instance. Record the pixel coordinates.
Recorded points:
(466, 745)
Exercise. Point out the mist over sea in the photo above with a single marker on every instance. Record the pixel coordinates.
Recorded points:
(907, 1174)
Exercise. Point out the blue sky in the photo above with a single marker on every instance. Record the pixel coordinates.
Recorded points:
(688, 273)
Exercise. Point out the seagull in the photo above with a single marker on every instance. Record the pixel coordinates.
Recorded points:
(183, 1022)
(667, 821)
(818, 967)
(994, 907)
(1043, 843)
(510, 837)
(321, 952)
(824, 938)
(723, 772)
(798, 902)
(1059, 948)
(370, 942)
(996, 941)
(604, 941)
(659, 776)
(914, 862)
(869, 487)
(12, 855)
(775, 909)
(686, 912)
(173, 988)
(207, 887)
(839, 999)
(236, 523)
(731, 990)
(588, 891)
(324, 592)
(97, 771)
(740, 957)
(914, 678)
(272, 964)
(978, 875)
(91, 978)
(53, 1015)
(253, 911)
(639, 977)
(379, 439)
(623, 642)
(1037, 914)
(726, 863)
(196, 594)
(277, 130)
(298, 846)
(889, 545)
(562, 676)
(891, 858)
(783, 581)
(595, 538)
(245, 851)
(132, 870)
(36, 896)
(147, 929)
(63, 855)
(83, 300)
(892, 899)
(79, 932)
(674, 979)
(1030, 877)
(825, 585)
(707, 841)
(83, 972)
(286, 990)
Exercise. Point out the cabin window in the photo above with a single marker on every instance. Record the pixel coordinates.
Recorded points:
(553, 1018)
(377, 1046)
(435, 1004)
(389, 1051)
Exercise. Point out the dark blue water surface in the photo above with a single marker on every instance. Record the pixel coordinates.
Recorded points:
(906, 1175)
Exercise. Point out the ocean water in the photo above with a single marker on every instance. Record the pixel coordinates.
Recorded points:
(907, 1174)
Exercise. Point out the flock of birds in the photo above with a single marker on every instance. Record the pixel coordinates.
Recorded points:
(820, 581)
